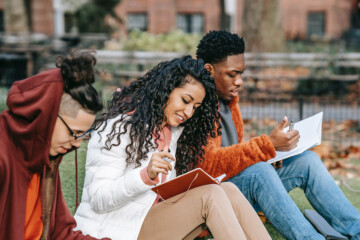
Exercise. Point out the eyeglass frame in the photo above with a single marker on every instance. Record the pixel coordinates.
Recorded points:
(72, 133)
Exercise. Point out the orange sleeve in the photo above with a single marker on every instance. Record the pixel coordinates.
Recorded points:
(234, 159)
(33, 223)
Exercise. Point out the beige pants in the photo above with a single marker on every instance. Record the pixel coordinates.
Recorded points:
(222, 208)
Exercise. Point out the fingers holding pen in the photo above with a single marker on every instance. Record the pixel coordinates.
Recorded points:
(293, 136)
(166, 155)
(289, 141)
(284, 141)
(159, 164)
(159, 167)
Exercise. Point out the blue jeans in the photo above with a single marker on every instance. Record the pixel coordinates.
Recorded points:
(263, 185)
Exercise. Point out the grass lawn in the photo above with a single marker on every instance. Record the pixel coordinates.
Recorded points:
(67, 173)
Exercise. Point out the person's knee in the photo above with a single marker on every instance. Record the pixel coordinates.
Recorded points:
(256, 178)
(310, 160)
(230, 188)
(263, 169)
(261, 172)
(233, 192)
(213, 192)
(210, 188)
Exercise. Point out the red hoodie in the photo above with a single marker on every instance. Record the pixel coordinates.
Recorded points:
(25, 137)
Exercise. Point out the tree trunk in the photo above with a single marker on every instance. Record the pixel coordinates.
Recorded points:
(16, 17)
(224, 19)
(262, 28)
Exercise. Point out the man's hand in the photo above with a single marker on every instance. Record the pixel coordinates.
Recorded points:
(284, 141)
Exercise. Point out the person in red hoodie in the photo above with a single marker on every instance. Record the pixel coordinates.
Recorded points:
(48, 115)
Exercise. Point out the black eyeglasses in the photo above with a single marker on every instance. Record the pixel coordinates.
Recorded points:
(72, 132)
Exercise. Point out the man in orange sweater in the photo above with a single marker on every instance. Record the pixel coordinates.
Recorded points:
(264, 185)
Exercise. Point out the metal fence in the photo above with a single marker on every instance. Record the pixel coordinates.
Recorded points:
(338, 100)
(296, 85)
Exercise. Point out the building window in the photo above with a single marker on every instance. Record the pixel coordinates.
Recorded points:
(137, 21)
(2, 23)
(316, 24)
(190, 23)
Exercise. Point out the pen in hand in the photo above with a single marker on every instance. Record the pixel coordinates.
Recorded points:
(166, 158)
(157, 163)
(291, 127)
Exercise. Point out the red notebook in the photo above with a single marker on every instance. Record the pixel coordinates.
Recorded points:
(187, 181)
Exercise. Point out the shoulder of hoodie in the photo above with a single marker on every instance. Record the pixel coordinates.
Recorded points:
(5, 161)
(52, 76)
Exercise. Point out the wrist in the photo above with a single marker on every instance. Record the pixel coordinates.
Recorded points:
(151, 174)
(271, 140)
(146, 179)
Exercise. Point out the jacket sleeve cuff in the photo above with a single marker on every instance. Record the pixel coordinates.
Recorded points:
(267, 147)
(146, 179)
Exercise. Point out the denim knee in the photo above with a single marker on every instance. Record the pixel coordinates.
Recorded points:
(259, 173)
(309, 160)
(261, 169)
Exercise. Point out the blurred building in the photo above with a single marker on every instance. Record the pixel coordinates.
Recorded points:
(41, 16)
(316, 18)
(191, 16)
(301, 19)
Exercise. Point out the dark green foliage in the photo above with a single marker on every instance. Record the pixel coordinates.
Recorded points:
(90, 18)
(3, 96)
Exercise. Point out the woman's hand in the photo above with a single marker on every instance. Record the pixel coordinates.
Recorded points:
(158, 164)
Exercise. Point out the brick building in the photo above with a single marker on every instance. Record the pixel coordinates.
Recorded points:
(301, 19)
(161, 16)
(306, 18)
(41, 19)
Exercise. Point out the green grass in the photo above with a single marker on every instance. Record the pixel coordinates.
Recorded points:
(67, 174)
(3, 96)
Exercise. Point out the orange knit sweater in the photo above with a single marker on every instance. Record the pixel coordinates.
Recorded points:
(234, 159)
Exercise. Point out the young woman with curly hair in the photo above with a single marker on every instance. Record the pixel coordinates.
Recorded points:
(168, 113)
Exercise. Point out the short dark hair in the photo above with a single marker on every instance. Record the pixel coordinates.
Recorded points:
(216, 46)
(78, 73)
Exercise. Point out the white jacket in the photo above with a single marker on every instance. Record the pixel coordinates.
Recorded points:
(115, 199)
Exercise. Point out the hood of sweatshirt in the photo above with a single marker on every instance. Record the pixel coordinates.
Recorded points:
(29, 121)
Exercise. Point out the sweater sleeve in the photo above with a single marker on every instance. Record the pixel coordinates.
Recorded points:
(234, 159)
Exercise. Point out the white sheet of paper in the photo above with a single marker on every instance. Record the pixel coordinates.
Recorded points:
(310, 136)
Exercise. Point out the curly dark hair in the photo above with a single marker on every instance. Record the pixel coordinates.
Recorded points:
(146, 99)
(216, 46)
(78, 73)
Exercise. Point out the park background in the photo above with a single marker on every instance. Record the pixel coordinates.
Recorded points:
(302, 57)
